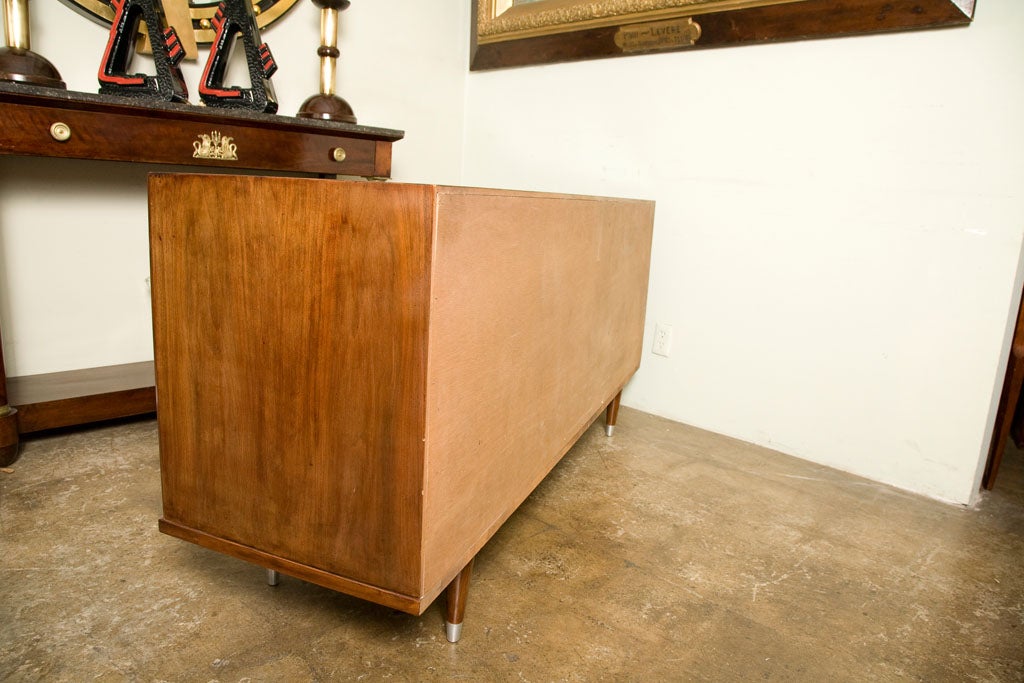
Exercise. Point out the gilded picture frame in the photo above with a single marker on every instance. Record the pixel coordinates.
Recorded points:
(508, 33)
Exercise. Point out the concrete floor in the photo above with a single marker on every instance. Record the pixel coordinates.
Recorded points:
(664, 553)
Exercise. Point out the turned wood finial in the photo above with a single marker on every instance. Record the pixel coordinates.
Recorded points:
(327, 104)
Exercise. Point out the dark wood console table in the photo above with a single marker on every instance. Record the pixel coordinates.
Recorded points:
(53, 123)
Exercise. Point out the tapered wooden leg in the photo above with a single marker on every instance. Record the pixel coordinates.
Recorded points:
(456, 608)
(8, 421)
(612, 414)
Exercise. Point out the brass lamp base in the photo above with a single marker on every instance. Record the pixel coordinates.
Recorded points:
(24, 66)
(327, 107)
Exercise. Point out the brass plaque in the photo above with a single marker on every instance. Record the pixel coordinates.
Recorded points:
(658, 35)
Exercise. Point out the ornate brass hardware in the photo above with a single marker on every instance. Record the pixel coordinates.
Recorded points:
(215, 146)
(61, 132)
(338, 154)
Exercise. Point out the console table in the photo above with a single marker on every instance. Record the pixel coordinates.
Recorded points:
(55, 123)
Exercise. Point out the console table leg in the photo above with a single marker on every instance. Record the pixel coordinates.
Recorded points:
(456, 609)
(611, 414)
(8, 421)
(8, 435)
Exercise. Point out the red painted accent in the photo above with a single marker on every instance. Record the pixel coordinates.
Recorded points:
(173, 43)
(220, 24)
(269, 65)
(122, 80)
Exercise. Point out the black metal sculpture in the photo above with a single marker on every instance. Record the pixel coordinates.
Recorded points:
(168, 84)
(235, 18)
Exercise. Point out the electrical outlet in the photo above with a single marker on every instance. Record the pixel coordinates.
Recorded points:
(662, 340)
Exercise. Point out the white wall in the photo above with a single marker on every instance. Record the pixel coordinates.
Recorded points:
(839, 222)
(73, 239)
(838, 233)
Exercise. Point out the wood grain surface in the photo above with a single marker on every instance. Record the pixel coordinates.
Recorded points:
(73, 397)
(536, 324)
(359, 382)
(120, 129)
(290, 332)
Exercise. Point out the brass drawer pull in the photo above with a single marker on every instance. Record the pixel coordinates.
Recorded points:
(338, 154)
(61, 132)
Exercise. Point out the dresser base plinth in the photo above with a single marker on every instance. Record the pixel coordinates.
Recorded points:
(403, 603)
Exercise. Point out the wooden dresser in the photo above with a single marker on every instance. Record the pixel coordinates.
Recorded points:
(359, 382)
